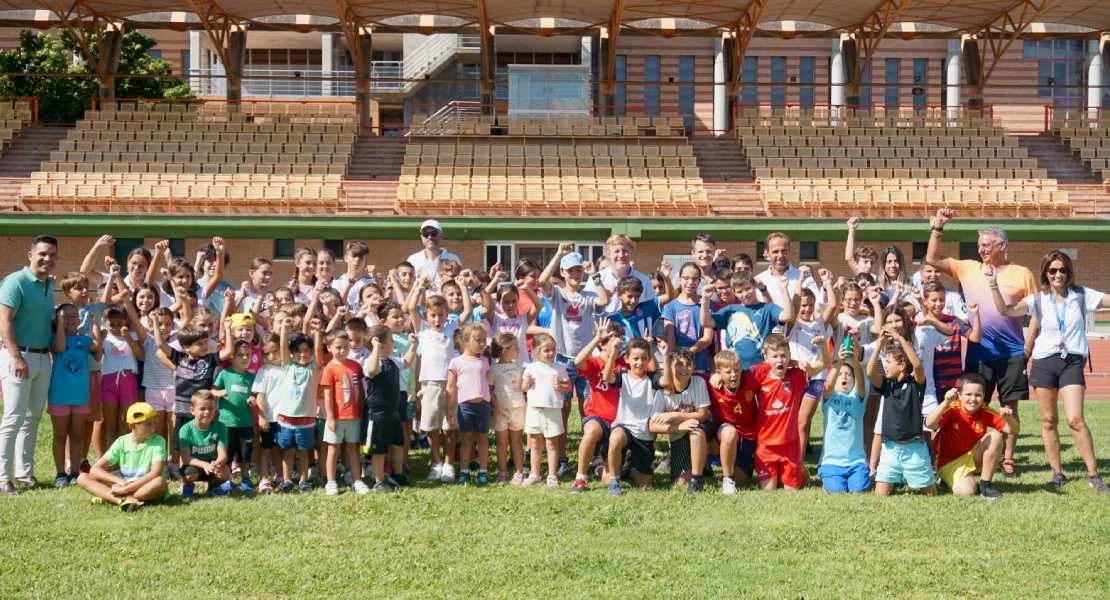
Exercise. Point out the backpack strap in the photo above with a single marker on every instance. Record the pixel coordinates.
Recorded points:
(1035, 307)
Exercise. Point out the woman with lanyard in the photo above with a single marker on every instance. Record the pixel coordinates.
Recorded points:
(1059, 354)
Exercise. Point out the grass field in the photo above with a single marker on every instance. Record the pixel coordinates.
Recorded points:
(437, 541)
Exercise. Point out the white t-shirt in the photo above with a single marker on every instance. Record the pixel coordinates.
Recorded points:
(1073, 338)
(265, 382)
(356, 288)
(436, 349)
(694, 398)
(518, 326)
(505, 379)
(638, 404)
(863, 323)
(609, 281)
(118, 356)
(542, 394)
(427, 266)
(801, 341)
(793, 281)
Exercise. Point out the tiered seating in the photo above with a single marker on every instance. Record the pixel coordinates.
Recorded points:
(573, 175)
(188, 152)
(13, 116)
(548, 125)
(1089, 138)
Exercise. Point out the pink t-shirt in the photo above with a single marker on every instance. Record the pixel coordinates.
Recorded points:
(470, 377)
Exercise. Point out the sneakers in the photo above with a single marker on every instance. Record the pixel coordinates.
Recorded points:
(518, 479)
(530, 480)
(73, 478)
(9, 489)
(578, 486)
(368, 471)
(331, 489)
(348, 478)
(1009, 470)
(988, 492)
(220, 490)
(187, 491)
(61, 480)
(265, 487)
(564, 467)
(597, 465)
(552, 481)
(313, 473)
(245, 486)
(474, 466)
(30, 482)
(502, 477)
(483, 478)
(398, 480)
(130, 504)
(1058, 480)
(615, 487)
(665, 464)
(464, 478)
(694, 486)
(1098, 484)
(434, 475)
(175, 471)
(305, 486)
(728, 486)
(360, 487)
(447, 473)
(287, 487)
(383, 488)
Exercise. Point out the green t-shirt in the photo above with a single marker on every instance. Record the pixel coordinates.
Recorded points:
(135, 461)
(203, 444)
(234, 410)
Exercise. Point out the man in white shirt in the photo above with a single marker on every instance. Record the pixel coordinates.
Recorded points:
(953, 302)
(427, 260)
(618, 249)
(776, 251)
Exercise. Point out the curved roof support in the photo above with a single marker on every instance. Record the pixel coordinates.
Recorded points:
(997, 35)
(487, 57)
(742, 32)
(81, 22)
(869, 33)
(218, 24)
(609, 88)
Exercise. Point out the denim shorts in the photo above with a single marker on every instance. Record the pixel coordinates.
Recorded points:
(300, 438)
(579, 384)
(474, 417)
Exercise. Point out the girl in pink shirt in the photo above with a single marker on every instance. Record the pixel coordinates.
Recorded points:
(468, 396)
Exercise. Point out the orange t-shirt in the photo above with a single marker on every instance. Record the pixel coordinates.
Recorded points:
(345, 379)
(958, 431)
(779, 401)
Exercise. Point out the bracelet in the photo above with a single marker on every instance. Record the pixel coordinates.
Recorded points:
(937, 229)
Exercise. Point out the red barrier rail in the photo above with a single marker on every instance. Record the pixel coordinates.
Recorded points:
(1050, 111)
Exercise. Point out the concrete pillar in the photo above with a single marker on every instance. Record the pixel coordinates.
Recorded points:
(837, 79)
(109, 60)
(720, 95)
(327, 64)
(1096, 78)
(236, 56)
(972, 67)
(362, 86)
(195, 50)
(953, 75)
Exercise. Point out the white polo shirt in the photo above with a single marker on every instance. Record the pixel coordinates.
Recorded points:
(422, 264)
(793, 279)
(609, 281)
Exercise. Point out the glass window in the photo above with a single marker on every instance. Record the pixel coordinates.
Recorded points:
(778, 75)
(1029, 50)
(750, 92)
(177, 246)
(970, 251)
(806, 69)
(620, 95)
(686, 92)
(499, 253)
(865, 85)
(919, 249)
(807, 251)
(890, 97)
(336, 247)
(920, 80)
(651, 92)
(283, 249)
(123, 247)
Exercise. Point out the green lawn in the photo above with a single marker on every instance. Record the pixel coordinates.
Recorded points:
(441, 541)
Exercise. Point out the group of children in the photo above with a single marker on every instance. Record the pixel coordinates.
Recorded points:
(332, 376)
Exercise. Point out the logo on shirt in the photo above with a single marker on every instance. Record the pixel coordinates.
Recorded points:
(977, 426)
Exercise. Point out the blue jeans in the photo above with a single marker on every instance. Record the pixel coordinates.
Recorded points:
(578, 383)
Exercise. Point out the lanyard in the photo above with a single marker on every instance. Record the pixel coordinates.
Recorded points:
(1059, 311)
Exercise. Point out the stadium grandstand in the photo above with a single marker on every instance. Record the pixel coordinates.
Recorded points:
(521, 123)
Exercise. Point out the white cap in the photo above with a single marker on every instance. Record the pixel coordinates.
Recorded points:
(434, 224)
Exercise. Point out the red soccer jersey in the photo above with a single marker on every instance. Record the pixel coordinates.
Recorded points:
(604, 398)
(958, 431)
(736, 408)
(779, 401)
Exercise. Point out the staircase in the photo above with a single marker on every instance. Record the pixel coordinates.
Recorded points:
(721, 160)
(1057, 159)
(26, 154)
(372, 176)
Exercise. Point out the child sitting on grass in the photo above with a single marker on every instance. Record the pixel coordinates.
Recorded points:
(141, 459)
(732, 405)
(204, 455)
(638, 404)
(683, 415)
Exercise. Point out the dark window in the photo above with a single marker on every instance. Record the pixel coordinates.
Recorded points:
(499, 253)
(806, 68)
(920, 80)
(283, 249)
(919, 249)
(177, 246)
(336, 247)
(778, 75)
(865, 85)
(891, 95)
(620, 97)
(807, 252)
(969, 251)
(122, 248)
(748, 75)
(686, 92)
(154, 54)
(760, 247)
(651, 92)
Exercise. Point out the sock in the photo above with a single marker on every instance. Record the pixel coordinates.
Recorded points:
(483, 472)
(465, 472)
(730, 479)
(984, 481)
(580, 476)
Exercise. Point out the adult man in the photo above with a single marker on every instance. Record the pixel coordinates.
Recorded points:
(427, 260)
(776, 251)
(26, 307)
(618, 249)
(1000, 356)
(704, 251)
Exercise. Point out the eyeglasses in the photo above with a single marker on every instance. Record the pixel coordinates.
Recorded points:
(429, 233)
(1061, 270)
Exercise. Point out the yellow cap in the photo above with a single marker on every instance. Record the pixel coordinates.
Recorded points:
(140, 412)
(242, 320)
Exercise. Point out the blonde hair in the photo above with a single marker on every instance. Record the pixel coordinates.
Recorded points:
(619, 239)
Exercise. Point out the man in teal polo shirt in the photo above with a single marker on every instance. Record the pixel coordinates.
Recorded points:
(26, 308)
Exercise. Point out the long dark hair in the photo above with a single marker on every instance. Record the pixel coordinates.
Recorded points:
(884, 280)
(1051, 257)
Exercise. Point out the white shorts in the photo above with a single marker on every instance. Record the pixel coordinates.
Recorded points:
(161, 398)
(346, 431)
(433, 406)
(510, 418)
(545, 421)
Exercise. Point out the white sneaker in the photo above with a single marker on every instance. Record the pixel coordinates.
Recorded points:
(433, 475)
(728, 487)
(348, 478)
(313, 473)
(360, 487)
(331, 489)
(447, 473)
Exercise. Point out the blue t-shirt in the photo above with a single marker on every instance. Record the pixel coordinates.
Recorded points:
(843, 442)
(745, 328)
(641, 323)
(69, 379)
(87, 314)
(686, 319)
(544, 318)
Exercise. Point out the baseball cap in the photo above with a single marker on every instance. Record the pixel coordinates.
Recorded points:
(434, 224)
(571, 260)
(242, 320)
(140, 412)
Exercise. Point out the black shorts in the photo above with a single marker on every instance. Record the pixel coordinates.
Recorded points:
(266, 436)
(179, 421)
(681, 458)
(602, 447)
(201, 474)
(1007, 375)
(642, 452)
(745, 456)
(380, 435)
(240, 442)
(1055, 372)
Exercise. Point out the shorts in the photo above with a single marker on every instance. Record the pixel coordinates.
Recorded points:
(782, 462)
(299, 438)
(179, 421)
(433, 406)
(473, 417)
(905, 461)
(956, 470)
(64, 410)
(579, 384)
(853, 478)
(1007, 375)
(161, 398)
(602, 448)
(405, 408)
(1054, 372)
(381, 435)
(815, 388)
(745, 451)
(201, 474)
(510, 418)
(240, 443)
(266, 436)
(547, 422)
(121, 387)
(642, 452)
(681, 458)
(346, 431)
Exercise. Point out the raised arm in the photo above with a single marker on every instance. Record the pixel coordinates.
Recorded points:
(410, 355)
(822, 363)
(537, 303)
(941, 326)
(88, 265)
(164, 352)
(933, 420)
(936, 233)
(283, 351)
(373, 364)
(221, 251)
(832, 296)
(850, 245)
(911, 354)
(161, 252)
(553, 265)
(412, 302)
(873, 374)
(789, 312)
(1017, 309)
(876, 311)
(95, 348)
(468, 304)
(668, 287)
(134, 319)
(976, 333)
(59, 331)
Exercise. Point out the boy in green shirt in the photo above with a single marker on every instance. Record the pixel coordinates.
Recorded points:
(141, 457)
(204, 448)
(233, 387)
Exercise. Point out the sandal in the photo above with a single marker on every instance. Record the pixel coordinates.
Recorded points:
(1009, 471)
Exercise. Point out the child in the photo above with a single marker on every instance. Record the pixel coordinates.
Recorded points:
(509, 405)
(904, 454)
(68, 400)
(732, 404)
(119, 385)
(468, 394)
(506, 318)
(384, 434)
(860, 259)
(962, 444)
(158, 379)
(341, 381)
(304, 274)
(780, 387)
(402, 280)
(684, 410)
(747, 325)
(194, 369)
(638, 403)
(544, 382)
(204, 454)
(602, 402)
(141, 459)
(75, 287)
(234, 387)
(682, 318)
(295, 403)
(811, 324)
(843, 465)
(393, 316)
(356, 277)
(638, 318)
(265, 383)
(947, 360)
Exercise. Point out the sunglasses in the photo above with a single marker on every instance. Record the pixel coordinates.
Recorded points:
(1061, 270)
(429, 233)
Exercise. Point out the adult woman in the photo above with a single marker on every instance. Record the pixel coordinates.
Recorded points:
(1059, 354)
(135, 268)
(893, 278)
